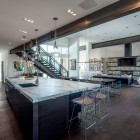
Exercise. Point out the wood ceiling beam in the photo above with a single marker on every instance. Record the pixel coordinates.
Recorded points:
(117, 42)
(111, 12)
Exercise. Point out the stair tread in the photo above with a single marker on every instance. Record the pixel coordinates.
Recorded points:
(48, 69)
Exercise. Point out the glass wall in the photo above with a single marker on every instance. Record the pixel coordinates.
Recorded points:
(62, 58)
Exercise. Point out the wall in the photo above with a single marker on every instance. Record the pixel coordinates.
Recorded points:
(73, 54)
(111, 51)
(4, 58)
(11, 70)
(136, 48)
(8, 60)
(83, 57)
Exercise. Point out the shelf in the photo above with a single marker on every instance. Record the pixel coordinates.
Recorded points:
(124, 70)
(114, 74)
(112, 66)
(112, 62)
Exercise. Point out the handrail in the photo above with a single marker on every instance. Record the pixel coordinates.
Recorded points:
(52, 62)
(53, 58)
(37, 63)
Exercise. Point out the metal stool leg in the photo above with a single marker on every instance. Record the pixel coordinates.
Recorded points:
(70, 121)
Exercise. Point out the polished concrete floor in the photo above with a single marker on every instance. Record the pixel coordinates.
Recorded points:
(122, 124)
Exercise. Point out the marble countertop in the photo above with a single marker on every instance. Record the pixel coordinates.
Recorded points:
(49, 88)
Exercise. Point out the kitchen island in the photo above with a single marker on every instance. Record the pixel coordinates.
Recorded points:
(43, 111)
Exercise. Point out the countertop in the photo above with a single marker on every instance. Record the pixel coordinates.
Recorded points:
(49, 88)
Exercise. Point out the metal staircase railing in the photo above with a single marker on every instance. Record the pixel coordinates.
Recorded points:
(48, 64)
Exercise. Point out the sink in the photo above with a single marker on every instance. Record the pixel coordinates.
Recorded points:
(25, 85)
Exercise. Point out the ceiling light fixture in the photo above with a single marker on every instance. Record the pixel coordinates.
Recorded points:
(25, 32)
(38, 56)
(71, 12)
(55, 51)
(10, 43)
(28, 20)
(24, 39)
(24, 48)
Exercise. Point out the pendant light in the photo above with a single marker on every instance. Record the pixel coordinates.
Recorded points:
(24, 54)
(37, 55)
(55, 50)
(24, 58)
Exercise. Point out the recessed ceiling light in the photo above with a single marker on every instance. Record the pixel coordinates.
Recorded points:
(69, 11)
(23, 39)
(10, 43)
(25, 32)
(29, 20)
(74, 14)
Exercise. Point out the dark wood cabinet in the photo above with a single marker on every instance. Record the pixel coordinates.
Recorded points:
(44, 120)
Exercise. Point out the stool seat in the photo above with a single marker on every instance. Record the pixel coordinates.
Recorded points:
(83, 100)
(87, 103)
(100, 96)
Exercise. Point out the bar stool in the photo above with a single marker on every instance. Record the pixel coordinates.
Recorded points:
(115, 88)
(88, 104)
(101, 97)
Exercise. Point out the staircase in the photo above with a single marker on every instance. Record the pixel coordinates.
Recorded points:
(47, 64)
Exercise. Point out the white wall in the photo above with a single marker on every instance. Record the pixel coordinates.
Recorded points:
(4, 58)
(73, 54)
(8, 60)
(11, 70)
(135, 48)
(111, 51)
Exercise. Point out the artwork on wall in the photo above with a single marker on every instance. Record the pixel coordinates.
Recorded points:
(95, 65)
(19, 66)
(73, 64)
(91, 64)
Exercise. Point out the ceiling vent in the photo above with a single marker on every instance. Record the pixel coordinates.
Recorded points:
(87, 4)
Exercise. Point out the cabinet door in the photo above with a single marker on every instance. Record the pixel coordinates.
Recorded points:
(53, 118)
(9, 90)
